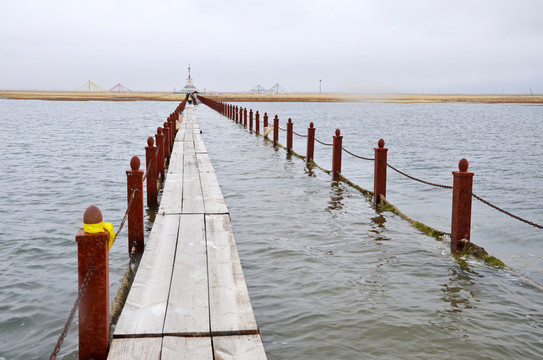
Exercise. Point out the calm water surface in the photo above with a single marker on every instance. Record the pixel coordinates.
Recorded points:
(329, 277)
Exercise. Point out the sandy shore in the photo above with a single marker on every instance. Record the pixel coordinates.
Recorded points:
(292, 97)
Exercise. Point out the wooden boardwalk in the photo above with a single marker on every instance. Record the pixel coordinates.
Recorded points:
(189, 299)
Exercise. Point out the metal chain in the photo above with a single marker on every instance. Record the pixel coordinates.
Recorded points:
(419, 180)
(280, 128)
(132, 196)
(323, 143)
(55, 352)
(505, 212)
(295, 133)
(357, 156)
(147, 170)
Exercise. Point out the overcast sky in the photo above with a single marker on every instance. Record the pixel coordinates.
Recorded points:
(415, 46)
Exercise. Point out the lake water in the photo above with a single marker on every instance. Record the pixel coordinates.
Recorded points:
(328, 276)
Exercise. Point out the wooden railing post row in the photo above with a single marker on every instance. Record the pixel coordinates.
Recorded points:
(160, 153)
(245, 117)
(289, 135)
(150, 164)
(336, 155)
(310, 143)
(251, 120)
(135, 214)
(461, 204)
(93, 255)
(265, 123)
(380, 172)
(257, 122)
(166, 140)
(172, 132)
(275, 130)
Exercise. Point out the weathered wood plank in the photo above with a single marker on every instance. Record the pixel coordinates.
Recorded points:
(175, 165)
(135, 348)
(199, 146)
(213, 199)
(180, 136)
(188, 305)
(193, 200)
(183, 348)
(171, 200)
(145, 308)
(229, 304)
(242, 347)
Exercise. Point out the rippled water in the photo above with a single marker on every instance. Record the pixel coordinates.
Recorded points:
(329, 277)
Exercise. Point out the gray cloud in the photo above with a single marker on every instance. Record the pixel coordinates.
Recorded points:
(370, 46)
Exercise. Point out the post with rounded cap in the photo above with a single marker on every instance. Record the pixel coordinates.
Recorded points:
(160, 153)
(166, 140)
(275, 130)
(336, 155)
(380, 172)
(265, 123)
(310, 143)
(93, 255)
(135, 215)
(150, 163)
(172, 132)
(257, 122)
(289, 135)
(251, 120)
(245, 117)
(461, 204)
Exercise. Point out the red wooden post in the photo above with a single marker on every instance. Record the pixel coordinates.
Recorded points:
(150, 163)
(93, 255)
(257, 122)
(251, 120)
(160, 153)
(275, 130)
(336, 155)
(135, 215)
(166, 140)
(245, 117)
(461, 204)
(380, 172)
(310, 143)
(237, 113)
(289, 135)
(172, 131)
(265, 122)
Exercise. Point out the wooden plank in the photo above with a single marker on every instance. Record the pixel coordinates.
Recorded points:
(188, 305)
(213, 199)
(171, 200)
(135, 348)
(199, 146)
(145, 309)
(229, 304)
(180, 136)
(189, 135)
(183, 348)
(242, 347)
(193, 200)
(176, 159)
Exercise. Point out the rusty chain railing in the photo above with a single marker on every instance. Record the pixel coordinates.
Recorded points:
(72, 313)
(506, 212)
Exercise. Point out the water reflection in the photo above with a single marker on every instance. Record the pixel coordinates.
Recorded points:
(336, 197)
(378, 227)
(457, 292)
(309, 171)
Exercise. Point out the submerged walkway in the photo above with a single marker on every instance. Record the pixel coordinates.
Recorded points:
(189, 299)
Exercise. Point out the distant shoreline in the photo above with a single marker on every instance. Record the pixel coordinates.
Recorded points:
(290, 97)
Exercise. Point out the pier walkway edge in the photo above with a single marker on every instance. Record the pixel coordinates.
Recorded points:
(189, 299)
